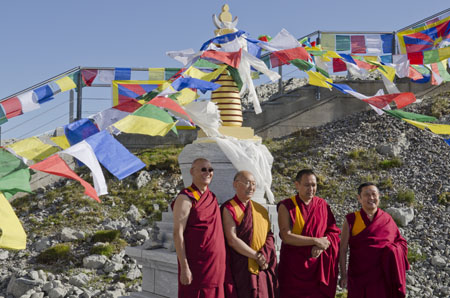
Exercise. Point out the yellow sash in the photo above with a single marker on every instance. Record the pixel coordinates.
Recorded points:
(299, 221)
(261, 226)
(238, 211)
(195, 193)
(358, 225)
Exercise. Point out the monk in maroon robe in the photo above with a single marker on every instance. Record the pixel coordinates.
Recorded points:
(378, 253)
(198, 237)
(251, 254)
(309, 251)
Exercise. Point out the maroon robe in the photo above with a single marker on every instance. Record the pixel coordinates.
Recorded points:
(299, 274)
(204, 246)
(378, 258)
(239, 282)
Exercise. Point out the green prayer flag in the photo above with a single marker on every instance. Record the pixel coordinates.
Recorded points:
(443, 71)
(3, 118)
(411, 116)
(342, 43)
(302, 64)
(170, 72)
(202, 63)
(431, 56)
(323, 71)
(14, 174)
(154, 112)
(236, 77)
(149, 95)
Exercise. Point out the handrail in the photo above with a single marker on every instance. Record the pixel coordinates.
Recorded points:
(425, 19)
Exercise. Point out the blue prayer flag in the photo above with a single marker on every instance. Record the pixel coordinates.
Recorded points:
(447, 141)
(43, 93)
(79, 130)
(122, 74)
(387, 43)
(193, 83)
(342, 87)
(423, 80)
(222, 39)
(386, 58)
(113, 155)
(348, 58)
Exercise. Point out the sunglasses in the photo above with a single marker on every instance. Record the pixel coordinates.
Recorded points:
(207, 170)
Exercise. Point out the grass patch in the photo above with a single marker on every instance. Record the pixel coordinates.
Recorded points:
(441, 106)
(414, 255)
(106, 236)
(362, 159)
(390, 163)
(406, 196)
(103, 249)
(60, 253)
(444, 198)
(162, 158)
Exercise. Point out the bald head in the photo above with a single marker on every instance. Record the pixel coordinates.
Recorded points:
(198, 161)
(242, 175)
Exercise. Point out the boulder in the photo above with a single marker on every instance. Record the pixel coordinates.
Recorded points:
(402, 216)
(94, 261)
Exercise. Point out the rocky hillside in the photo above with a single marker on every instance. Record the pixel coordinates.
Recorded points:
(76, 246)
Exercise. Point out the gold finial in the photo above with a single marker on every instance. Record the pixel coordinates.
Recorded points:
(225, 15)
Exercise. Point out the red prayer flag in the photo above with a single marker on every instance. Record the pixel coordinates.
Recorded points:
(290, 54)
(358, 44)
(404, 99)
(170, 104)
(414, 74)
(88, 76)
(339, 65)
(365, 65)
(130, 106)
(55, 165)
(275, 62)
(415, 58)
(12, 107)
(231, 58)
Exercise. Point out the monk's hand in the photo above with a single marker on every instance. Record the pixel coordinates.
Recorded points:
(261, 260)
(315, 252)
(322, 242)
(343, 282)
(185, 276)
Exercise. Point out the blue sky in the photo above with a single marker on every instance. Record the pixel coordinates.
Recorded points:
(40, 39)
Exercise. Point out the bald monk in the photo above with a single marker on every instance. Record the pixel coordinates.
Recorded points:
(378, 253)
(198, 236)
(251, 254)
(310, 242)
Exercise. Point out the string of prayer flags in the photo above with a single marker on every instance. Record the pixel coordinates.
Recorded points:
(13, 235)
(55, 165)
(12, 107)
(147, 120)
(192, 83)
(410, 116)
(85, 154)
(231, 58)
(114, 156)
(440, 129)
(32, 149)
(79, 130)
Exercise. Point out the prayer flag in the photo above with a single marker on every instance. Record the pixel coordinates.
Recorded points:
(386, 58)
(447, 141)
(122, 74)
(205, 115)
(282, 41)
(126, 90)
(61, 141)
(440, 129)
(290, 54)
(205, 76)
(156, 74)
(374, 44)
(387, 40)
(65, 84)
(3, 118)
(147, 120)
(275, 61)
(186, 57)
(55, 165)
(424, 38)
(106, 76)
(44, 93)
(401, 99)
(114, 156)
(302, 64)
(348, 58)
(414, 74)
(171, 105)
(201, 85)
(172, 73)
(431, 56)
(84, 153)
(358, 43)
(185, 96)
(28, 102)
(339, 65)
(442, 68)
(202, 63)
(88, 76)
(231, 58)
(32, 149)
(79, 130)
(14, 174)
(328, 41)
(13, 235)
(222, 39)
(318, 79)
(411, 116)
(401, 65)
(415, 58)
(12, 107)
(342, 43)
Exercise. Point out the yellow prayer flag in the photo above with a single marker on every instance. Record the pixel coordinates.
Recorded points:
(371, 58)
(33, 149)
(186, 96)
(143, 125)
(156, 74)
(328, 42)
(318, 79)
(65, 84)
(13, 235)
(61, 141)
(205, 76)
(387, 71)
(333, 54)
(444, 53)
(440, 129)
(313, 49)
